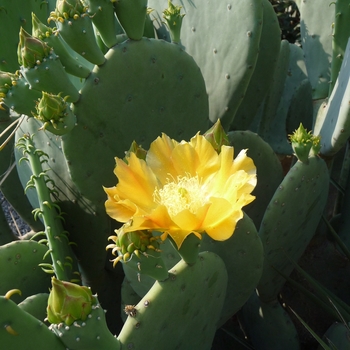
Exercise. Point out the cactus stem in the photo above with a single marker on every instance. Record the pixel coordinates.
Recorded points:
(58, 248)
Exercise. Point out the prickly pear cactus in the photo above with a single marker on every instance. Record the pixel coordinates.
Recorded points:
(268, 325)
(203, 283)
(18, 261)
(35, 305)
(14, 15)
(109, 109)
(334, 132)
(19, 329)
(269, 170)
(243, 258)
(138, 73)
(338, 336)
(289, 75)
(227, 62)
(317, 43)
(287, 228)
(262, 77)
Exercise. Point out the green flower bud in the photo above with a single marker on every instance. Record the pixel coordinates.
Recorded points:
(39, 29)
(66, 9)
(316, 144)
(54, 112)
(174, 21)
(138, 242)
(7, 80)
(217, 136)
(31, 51)
(68, 302)
(138, 150)
(303, 142)
(140, 250)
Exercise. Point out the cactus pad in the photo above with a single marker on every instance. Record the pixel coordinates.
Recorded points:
(146, 87)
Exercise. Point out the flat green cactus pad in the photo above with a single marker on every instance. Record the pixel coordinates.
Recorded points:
(290, 222)
(20, 330)
(19, 268)
(146, 87)
(190, 318)
(243, 256)
(223, 37)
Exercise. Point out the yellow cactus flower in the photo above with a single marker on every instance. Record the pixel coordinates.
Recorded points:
(182, 188)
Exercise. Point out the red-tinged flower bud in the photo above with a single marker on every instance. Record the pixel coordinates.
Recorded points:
(31, 51)
(217, 136)
(68, 302)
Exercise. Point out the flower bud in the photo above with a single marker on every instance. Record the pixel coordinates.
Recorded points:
(31, 51)
(39, 29)
(68, 302)
(55, 113)
(140, 250)
(138, 150)
(7, 80)
(69, 8)
(174, 21)
(137, 242)
(217, 136)
(302, 142)
(316, 145)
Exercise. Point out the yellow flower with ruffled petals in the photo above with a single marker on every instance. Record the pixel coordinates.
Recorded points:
(182, 188)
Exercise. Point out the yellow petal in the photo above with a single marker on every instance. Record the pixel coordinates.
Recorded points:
(122, 210)
(221, 219)
(243, 162)
(157, 220)
(225, 229)
(136, 181)
(218, 181)
(159, 157)
(185, 159)
(236, 186)
(178, 236)
(244, 200)
(209, 159)
(190, 222)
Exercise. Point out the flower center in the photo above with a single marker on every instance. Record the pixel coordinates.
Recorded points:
(185, 192)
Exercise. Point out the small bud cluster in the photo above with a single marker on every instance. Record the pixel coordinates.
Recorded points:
(304, 142)
(7, 80)
(173, 19)
(55, 114)
(68, 9)
(40, 30)
(128, 243)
